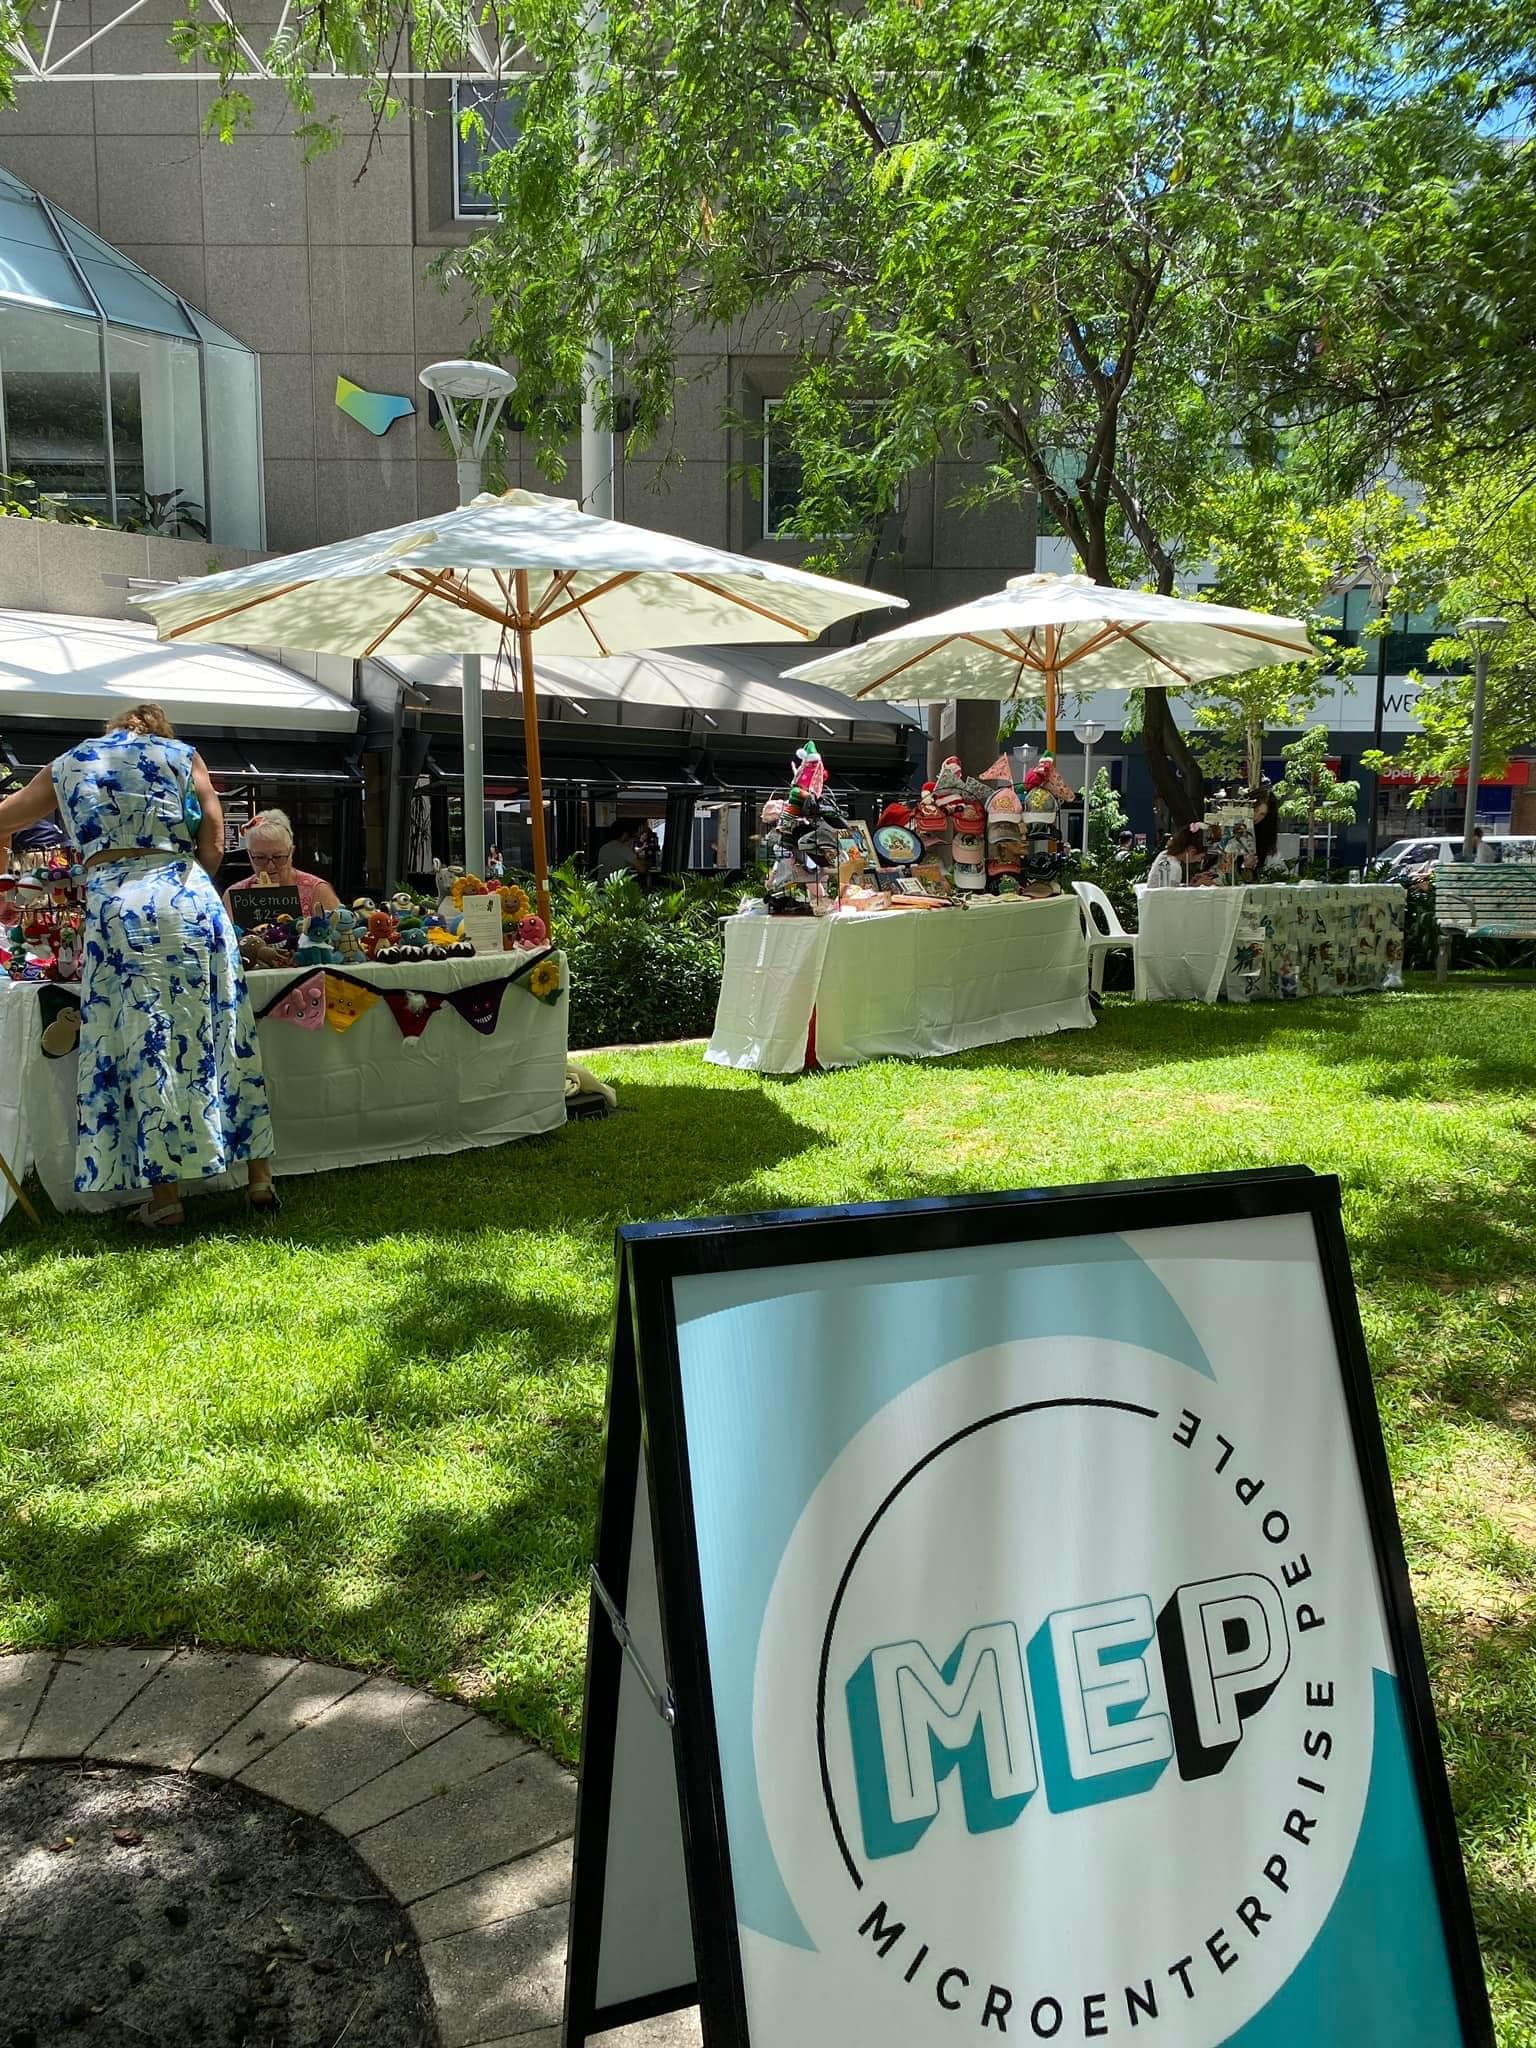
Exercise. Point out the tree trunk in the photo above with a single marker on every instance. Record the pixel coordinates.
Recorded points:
(1175, 772)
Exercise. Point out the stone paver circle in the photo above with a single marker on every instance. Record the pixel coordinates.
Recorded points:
(463, 1822)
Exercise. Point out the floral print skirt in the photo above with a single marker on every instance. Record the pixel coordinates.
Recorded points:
(171, 1086)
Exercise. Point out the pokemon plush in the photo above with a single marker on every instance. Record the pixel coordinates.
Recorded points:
(315, 948)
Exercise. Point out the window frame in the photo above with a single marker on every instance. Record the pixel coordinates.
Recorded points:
(780, 533)
(465, 210)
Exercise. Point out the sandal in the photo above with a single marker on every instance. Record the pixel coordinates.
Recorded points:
(264, 1201)
(159, 1216)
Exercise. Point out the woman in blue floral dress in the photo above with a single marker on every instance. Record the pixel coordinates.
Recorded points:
(171, 1088)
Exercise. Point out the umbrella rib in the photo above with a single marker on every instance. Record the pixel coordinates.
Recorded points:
(395, 624)
(233, 611)
(1269, 640)
(1152, 655)
(564, 610)
(459, 594)
(582, 613)
(1027, 656)
(1106, 635)
(901, 667)
(557, 587)
(762, 611)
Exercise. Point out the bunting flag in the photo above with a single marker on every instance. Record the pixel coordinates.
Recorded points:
(60, 1014)
(346, 1000)
(480, 1006)
(412, 1008)
(301, 1003)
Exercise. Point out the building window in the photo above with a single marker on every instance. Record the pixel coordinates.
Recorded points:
(784, 473)
(493, 102)
(107, 381)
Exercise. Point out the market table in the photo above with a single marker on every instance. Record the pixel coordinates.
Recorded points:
(910, 984)
(383, 1088)
(1268, 942)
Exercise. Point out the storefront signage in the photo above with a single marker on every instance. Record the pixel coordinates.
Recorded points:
(1003, 1633)
(255, 907)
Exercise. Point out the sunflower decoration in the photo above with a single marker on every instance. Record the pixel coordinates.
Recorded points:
(544, 982)
(514, 905)
(468, 885)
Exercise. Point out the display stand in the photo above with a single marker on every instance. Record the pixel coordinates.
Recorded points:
(1000, 1625)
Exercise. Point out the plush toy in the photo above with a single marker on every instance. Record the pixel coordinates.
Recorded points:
(382, 931)
(532, 932)
(69, 957)
(256, 952)
(346, 934)
(364, 907)
(315, 948)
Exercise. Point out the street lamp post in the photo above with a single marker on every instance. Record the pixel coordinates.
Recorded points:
(1087, 735)
(1484, 635)
(470, 397)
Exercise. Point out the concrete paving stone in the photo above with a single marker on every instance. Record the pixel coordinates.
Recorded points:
(23, 1680)
(505, 1979)
(300, 1698)
(522, 1886)
(673, 2030)
(189, 1703)
(357, 1740)
(467, 1753)
(521, 1806)
(89, 1689)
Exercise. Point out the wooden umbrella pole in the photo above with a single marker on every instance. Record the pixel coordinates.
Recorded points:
(531, 744)
(1050, 711)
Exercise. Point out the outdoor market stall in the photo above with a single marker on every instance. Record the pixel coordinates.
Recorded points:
(904, 984)
(363, 1063)
(1268, 942)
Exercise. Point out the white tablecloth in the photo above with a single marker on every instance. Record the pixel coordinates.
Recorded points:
(1268, 942)
(909, 983)
(348, 1098)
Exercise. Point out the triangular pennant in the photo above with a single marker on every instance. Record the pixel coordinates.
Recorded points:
(345, 1001)
(412, 1009)
(480, 1006)
(998, 772)
(303, 1003)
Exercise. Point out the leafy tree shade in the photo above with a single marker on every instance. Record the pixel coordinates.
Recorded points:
(1472, 551)
(1310, 793)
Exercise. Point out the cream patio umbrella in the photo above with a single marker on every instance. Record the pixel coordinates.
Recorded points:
(1054, 629)
(504, 573)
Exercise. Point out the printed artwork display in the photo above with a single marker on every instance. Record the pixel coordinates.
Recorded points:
(1293, 942)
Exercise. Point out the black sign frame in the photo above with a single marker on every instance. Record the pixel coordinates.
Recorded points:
(646, 1434)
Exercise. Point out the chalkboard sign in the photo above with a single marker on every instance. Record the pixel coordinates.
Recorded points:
(255, 907)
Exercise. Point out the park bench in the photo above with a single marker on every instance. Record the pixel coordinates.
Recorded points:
(1483, 903)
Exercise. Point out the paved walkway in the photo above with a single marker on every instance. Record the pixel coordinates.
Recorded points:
(468, 1825)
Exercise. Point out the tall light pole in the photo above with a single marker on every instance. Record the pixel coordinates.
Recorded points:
(1087, 735)
(597, 440)
(1484, 635)
(470, 397)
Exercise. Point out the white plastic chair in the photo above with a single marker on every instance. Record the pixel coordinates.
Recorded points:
(1103, 930)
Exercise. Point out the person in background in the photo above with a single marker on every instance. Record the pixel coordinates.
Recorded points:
(1484, 852)
(1266, 826)
(1179, 859)
(268, 840)
(616, 855)
(171, 1088)
(646, 857)
(495, 866)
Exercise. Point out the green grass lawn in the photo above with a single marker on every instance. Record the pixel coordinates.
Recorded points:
(374, 1435)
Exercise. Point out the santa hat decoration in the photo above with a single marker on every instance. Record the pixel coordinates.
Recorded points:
(810, 770)
(928, 821)
(896, 813)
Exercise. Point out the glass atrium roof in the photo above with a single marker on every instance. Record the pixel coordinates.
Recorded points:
(50, 261)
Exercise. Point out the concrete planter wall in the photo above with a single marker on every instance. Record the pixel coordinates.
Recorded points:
(50, 568)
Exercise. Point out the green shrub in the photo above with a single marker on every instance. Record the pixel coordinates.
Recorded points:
(633, 982)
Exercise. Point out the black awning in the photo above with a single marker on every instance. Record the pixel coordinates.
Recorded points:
(322, 759)
(227, 758)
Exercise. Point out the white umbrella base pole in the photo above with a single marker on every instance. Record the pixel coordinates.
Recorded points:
(474, 768)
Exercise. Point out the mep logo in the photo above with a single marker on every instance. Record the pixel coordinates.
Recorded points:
(1077, 1712)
